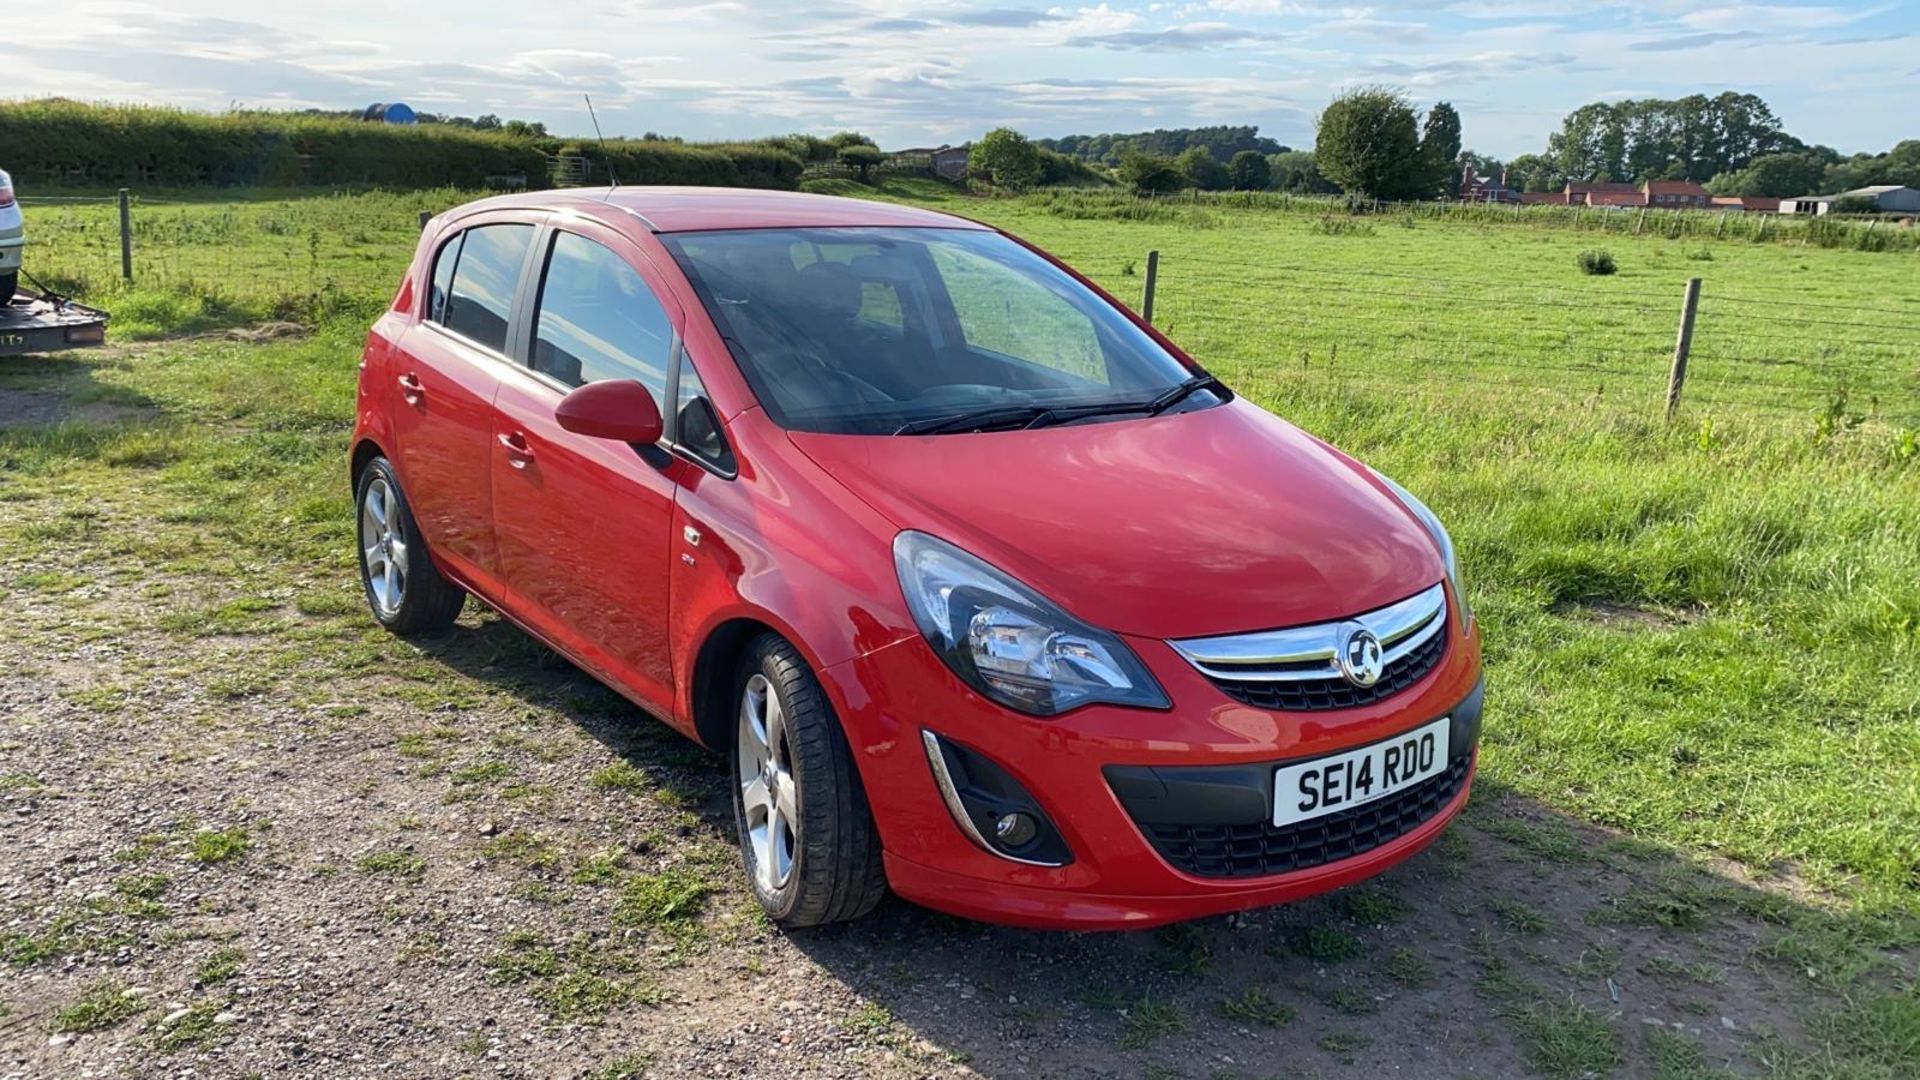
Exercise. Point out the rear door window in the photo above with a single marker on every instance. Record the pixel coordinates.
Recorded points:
(485, 278)
(598, 320)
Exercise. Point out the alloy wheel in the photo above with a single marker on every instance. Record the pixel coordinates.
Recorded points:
(383, 547)
(767, 792)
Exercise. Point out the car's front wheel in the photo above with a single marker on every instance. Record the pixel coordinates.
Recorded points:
(808, 839)
(403, 587)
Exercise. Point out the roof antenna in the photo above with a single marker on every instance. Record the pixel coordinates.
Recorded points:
(603, 146)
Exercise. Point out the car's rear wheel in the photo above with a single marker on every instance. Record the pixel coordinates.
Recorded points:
(9, 284)
(807, 836)
(404, 589)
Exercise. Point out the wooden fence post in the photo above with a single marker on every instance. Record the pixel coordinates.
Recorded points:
(1146, 293)
(1682, 346)
(126, 236)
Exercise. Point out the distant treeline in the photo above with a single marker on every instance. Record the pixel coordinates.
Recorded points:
(65, 143)
(1732, 143)
(1221, 143)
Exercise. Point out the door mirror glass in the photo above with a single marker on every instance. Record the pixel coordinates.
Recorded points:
(619, 409)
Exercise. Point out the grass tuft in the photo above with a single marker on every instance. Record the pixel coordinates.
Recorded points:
(1254, 1007)
(1148, 1021)
(101, 1005)
(220, 846)
(401, 865)
(1568, 1040)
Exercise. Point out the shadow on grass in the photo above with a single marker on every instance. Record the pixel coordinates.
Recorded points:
(42, 391)
(1524, 942)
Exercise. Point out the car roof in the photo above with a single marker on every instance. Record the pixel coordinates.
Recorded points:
(698, 209)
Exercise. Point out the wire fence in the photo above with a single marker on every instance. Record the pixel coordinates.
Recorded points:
(1747, 351)
(1247, 319)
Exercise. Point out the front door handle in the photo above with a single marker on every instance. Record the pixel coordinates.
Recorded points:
(411, 389)
(518, 452)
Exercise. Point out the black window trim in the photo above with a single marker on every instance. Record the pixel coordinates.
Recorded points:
(455, 239)
(670, 437)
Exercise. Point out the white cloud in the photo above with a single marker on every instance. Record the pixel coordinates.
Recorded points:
(1756, 17)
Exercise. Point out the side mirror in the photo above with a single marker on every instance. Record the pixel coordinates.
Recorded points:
(619, 409)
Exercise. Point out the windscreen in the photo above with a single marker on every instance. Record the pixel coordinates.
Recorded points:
(867, 331)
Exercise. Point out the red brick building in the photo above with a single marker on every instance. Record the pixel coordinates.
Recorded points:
(1676, 195)
(1752, 204)
(1657, 194)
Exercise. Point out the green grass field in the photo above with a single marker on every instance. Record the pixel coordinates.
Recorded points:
(1706, 635)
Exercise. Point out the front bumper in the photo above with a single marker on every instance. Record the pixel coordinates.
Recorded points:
(1118, 877)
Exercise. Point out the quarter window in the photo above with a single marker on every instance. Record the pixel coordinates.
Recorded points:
(443, 279)
(484, 280)
(697, 426)
(598, 320)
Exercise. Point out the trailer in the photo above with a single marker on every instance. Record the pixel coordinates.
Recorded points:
(41, 323)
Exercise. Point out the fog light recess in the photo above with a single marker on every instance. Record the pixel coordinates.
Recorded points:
(991, 807)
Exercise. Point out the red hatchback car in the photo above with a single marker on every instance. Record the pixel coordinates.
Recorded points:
(988, 592)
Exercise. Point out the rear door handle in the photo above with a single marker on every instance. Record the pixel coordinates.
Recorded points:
(411, 389)
(518, 452)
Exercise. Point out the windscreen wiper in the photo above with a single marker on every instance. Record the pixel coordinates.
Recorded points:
(976, 420)
(1033, 416)
(1154, 406)
(1174, 395)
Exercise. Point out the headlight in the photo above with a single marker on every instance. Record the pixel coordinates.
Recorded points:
(1440, 540)
(1007, 641)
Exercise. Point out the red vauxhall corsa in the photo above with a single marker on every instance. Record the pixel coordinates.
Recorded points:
(987, 592)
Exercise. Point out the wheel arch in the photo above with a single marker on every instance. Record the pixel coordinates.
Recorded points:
(710, 691)
(364, 451)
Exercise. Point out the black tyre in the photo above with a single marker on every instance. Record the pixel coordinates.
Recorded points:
(807, 837)
(9, 284)
(404, 589)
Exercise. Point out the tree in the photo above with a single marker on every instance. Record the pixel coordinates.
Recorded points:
(1535, 172)
(1368, 142)
(863, 157)
(486, 122)
(1295, 171)
(525, 129)
(1901, 165)
(1150, 174)
(1005, 158)
(1222, 142)
(1249, 171)
(848, 138)
(1693, 138)
(1201, 170)
(1440, 148)
(1060, 170)
(1784, 175)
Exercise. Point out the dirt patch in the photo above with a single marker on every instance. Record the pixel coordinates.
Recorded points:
(1625, 616)
(268, 331)
(20, 408)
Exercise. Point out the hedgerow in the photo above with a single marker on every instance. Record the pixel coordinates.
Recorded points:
(57, 143)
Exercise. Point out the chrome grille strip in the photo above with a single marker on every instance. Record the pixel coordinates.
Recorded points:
(1306, 653)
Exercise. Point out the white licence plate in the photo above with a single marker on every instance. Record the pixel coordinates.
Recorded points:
(1311, 789)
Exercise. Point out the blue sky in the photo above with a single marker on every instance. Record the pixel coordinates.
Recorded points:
(915, 72)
